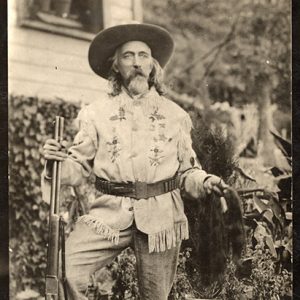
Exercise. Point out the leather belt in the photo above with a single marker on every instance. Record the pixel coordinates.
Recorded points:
(137, 189)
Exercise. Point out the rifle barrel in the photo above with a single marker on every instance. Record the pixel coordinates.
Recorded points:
(58, 167)
(54, 170)
(51, 289)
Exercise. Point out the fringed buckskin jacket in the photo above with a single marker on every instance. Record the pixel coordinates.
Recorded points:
(125, 139)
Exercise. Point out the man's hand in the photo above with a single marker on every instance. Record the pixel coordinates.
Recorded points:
(214, 184)
(54, 150)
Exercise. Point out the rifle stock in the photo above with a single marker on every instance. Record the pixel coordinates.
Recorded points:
(52, 275)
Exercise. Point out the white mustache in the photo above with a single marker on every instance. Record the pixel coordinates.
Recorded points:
(136, 72)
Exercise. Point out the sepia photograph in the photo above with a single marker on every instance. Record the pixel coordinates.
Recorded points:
(150, 153)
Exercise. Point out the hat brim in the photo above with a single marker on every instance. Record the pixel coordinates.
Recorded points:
(107, 41)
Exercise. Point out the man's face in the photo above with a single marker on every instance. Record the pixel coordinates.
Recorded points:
(135, 63)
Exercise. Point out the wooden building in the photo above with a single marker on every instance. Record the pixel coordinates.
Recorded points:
(48, 44)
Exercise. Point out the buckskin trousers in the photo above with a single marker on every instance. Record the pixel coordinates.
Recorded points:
(87, 252)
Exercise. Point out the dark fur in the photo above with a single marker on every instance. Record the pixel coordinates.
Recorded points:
(215, 235)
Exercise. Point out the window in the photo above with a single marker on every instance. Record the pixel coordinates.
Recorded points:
(77, 18)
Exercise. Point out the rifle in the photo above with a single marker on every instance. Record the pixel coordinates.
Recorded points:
(56, 227)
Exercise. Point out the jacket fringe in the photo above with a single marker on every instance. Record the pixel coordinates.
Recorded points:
(166, 239)
(100, 228)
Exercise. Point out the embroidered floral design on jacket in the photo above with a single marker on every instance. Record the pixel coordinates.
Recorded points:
(155, 116)
(114, 148)
(120, 116)
(152, 127)
(158, 126)
(161, 138)
(156, 157)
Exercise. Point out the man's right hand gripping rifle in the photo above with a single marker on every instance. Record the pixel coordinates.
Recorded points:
(54, 150)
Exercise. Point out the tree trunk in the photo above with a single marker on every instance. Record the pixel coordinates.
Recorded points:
(266, 145)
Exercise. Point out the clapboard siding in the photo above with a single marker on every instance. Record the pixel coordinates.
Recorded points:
(46, 41)
(56, 76)
(24, 54)
(48, 65)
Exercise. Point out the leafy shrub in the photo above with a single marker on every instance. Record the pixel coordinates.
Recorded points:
(265, 271)
(125, 275)
(264, 281)
(30, 124)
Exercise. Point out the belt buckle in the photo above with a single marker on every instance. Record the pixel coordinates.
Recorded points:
(141, 191)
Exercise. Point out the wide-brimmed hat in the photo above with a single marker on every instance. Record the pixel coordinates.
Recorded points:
(107, 41)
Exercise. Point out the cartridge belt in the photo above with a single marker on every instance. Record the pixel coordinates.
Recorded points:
(137, 189)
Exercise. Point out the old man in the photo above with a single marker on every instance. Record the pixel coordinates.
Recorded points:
(138, 144)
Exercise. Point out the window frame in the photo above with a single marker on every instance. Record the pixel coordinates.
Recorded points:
(24, 19)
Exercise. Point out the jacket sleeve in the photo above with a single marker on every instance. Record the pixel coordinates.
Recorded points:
(79, 163)
(192, 174)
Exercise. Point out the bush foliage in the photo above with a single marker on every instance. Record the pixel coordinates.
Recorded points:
(30, 123)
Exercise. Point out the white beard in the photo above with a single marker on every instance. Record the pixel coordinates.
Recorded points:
(138, 85)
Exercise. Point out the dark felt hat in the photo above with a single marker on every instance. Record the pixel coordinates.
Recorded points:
(107, 41)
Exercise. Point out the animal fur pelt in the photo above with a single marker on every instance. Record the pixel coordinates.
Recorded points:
(215, 235)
